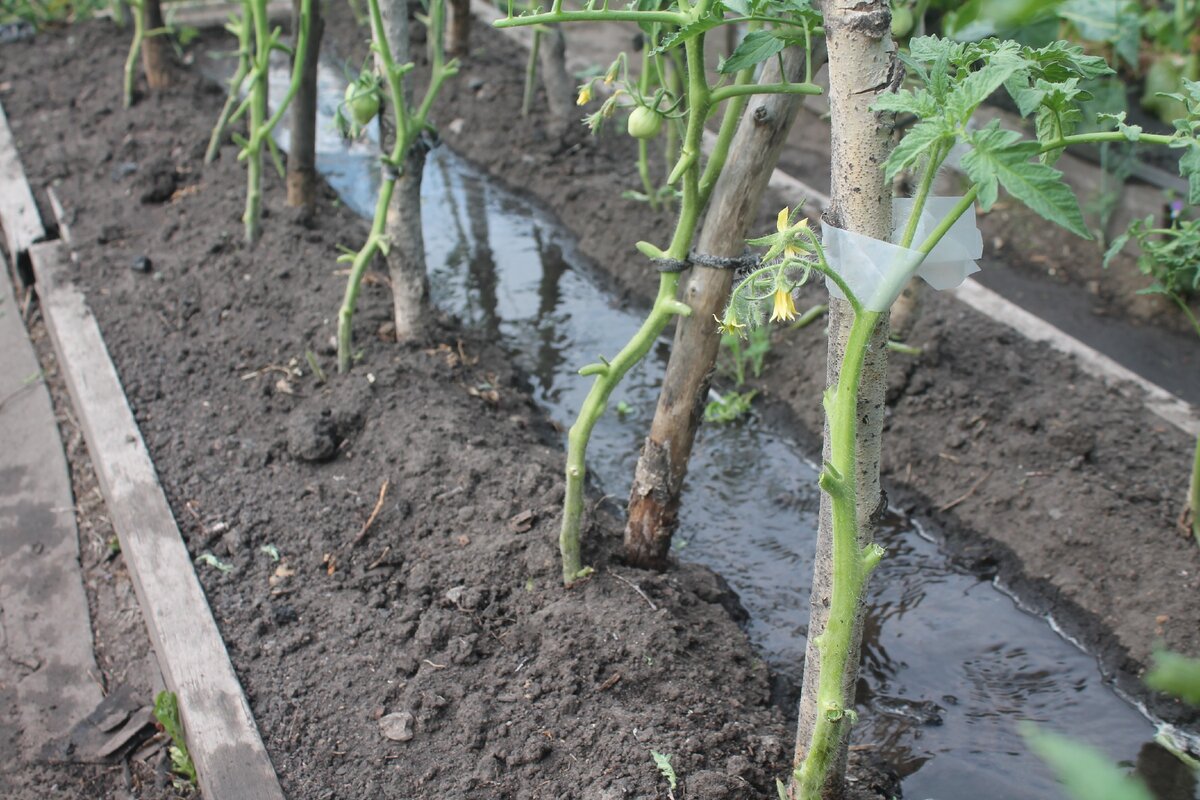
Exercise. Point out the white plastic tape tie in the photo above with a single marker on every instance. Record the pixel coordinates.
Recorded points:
(876, 271)
(953, 258)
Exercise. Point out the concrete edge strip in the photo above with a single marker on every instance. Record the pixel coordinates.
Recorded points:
(18, 210)
(225, 744)
(45, 606)
(1158, 400)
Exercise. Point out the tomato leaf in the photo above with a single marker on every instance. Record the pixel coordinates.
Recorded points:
(756, 48)
(1177, 675)
(919, 139)
(1085, 773)
(1000, 157)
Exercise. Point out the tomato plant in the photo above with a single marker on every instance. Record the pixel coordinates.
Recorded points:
(951, 80)
(670, 28)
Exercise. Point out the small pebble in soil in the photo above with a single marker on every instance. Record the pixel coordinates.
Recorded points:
(397, 726)
(141, 264)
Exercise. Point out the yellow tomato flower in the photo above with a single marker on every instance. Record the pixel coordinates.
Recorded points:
(585, 95)
(781, 222)
(785, 307)
(729, 325)
(781, 225)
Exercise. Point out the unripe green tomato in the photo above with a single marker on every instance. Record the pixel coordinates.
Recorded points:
(902, 21)
(644, 123)
(362, 103)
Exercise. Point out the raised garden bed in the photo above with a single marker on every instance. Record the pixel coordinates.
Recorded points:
(441, 621)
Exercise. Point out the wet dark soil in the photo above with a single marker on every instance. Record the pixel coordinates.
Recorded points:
(391, 603)
(1066, 490)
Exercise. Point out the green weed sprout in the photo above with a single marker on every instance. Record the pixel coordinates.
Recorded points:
(678, 26)
(663, 762)
(166, 711)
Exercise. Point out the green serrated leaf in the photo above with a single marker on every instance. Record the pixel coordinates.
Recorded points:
(689, 31)
(967, 95)
(918, 141)
(756, 48)
(1118, 244)
(918, 102)
(1084, 772)
(1000, 157)
(1189, 167)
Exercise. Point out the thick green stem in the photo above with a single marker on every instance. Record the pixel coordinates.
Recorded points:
(724, 93)
(851, 565)
(729, 122)
(362, 260)
(614, 15)
(531, 74)
(1104, 136)
(135, 47)
(259, 87)
(261, 126)
(235, 86)
(666, 306)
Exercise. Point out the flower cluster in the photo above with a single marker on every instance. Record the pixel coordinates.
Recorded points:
(766, 294)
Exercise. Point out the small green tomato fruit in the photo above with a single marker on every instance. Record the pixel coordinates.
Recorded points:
(362, 102)
(902, 21)
(644, 123)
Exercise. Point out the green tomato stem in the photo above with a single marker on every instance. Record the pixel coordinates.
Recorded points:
(852, 565)
(729, 122)
(135, 47)
(607, 376)
(531, 74)
(724, 93)
(235, 87)
(616, 15)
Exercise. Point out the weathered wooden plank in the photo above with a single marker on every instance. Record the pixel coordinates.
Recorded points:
(47, 633)
(18, 210)
(225, 744)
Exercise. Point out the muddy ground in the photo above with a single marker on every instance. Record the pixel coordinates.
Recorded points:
(431, 652)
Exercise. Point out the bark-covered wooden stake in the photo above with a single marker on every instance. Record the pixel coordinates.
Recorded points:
(156, 49)
(302, 157)
(862, 65)
(406, 243)
(658, 479)
(458, 35)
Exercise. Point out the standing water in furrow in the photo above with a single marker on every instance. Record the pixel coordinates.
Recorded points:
(950, 663)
